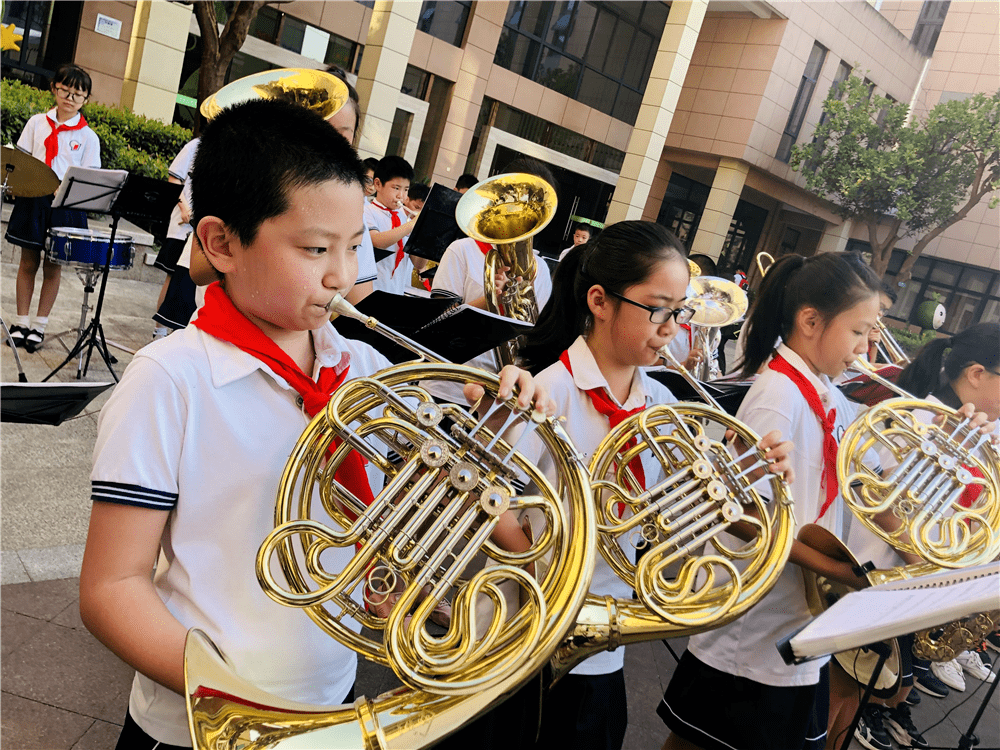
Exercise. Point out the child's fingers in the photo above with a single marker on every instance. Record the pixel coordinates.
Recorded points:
(473, 392)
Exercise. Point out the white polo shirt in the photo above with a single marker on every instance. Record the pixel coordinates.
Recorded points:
(77, 148)
(179, 169)
(389, 277)
(587, 427)
(746, 647)
(202, 430)
(461, 273)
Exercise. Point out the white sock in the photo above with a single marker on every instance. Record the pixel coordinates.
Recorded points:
(22, 320)
(40, 323)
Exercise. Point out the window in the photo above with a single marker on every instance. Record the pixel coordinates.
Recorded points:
(802, 98)
(843, 73)
(445, 20)
(928, 28)
(415, 82)
(599, 53)
(265, 24)
(49, 30)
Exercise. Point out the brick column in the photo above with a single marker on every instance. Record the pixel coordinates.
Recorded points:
(383, 67)
(835, 237)
(715, 221)
(155, 58)
(645, 146)
(481, 39)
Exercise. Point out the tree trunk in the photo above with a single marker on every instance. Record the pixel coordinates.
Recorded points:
(217, 51)
(882, 251)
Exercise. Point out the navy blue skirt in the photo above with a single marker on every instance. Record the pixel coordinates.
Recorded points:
(32, 217)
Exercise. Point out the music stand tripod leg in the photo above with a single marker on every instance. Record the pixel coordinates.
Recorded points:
(883, 650)
(968, 740)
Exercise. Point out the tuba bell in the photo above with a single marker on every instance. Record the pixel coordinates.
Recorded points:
(425, 536)
(688, 579)
(316, 90)
(717, 303)
(507, 211)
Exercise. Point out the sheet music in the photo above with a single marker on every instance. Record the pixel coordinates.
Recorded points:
(895, 609)
(92, 189)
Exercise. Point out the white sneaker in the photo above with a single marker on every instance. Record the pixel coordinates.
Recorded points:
(971, 663)
(949, 673)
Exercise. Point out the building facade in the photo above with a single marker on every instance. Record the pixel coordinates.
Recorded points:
(683, 113)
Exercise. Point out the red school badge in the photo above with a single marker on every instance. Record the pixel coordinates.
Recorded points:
(75, 145)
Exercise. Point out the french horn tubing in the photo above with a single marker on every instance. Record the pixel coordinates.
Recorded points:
(688, 580)
(927, 494)
(507, 211)
(426, 536)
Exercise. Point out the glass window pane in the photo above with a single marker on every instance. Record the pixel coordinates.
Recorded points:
(991, 313)
(558, 72)
(976, 280)
(415, 82)
(445, 21)
(908, 296)
(597, 91)
(244, 65)
(536, 18)
(579, 33)
(265, 24)
(601, 38)
(339, 52)
(995, 289)
(962, 311)
(627, 105)
(895, 261)
(563, 16)
(399, 134)
(292, 33)
(641, 48)
(654, 18)
(920, 268)
(621, 41)
(946, 273)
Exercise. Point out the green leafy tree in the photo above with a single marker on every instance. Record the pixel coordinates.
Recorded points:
(899, 177)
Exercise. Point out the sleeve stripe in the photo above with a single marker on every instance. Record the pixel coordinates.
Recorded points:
(366, 279)
(127, 494)
(134, 488)
(439, 293)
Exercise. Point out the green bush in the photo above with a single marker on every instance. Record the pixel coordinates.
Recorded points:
(913, 342)
(128, 141)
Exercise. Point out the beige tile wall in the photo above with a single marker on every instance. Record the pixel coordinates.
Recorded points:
(104, 58)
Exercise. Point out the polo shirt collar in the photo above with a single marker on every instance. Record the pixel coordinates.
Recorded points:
(821, 383)
(51, 114)
(587, 375)
(229, 363)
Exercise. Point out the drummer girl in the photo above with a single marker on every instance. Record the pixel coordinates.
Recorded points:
(61, 139)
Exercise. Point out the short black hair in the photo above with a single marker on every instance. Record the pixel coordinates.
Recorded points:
(466, 181)
(706, 264)
(352, 93)
(73, 76)
(889, 292)
(391, 167)
(253, 153)
(585, 227)
(371, 163)
(418, 191)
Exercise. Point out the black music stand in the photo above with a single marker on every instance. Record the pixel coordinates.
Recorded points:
(101, 191)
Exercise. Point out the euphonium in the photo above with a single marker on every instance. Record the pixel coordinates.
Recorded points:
(688, 580)
(316, 90)
(507, 211)
(423, 538)
(935, 514)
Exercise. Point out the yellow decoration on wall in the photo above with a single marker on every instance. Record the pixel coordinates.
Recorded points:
(8, 39)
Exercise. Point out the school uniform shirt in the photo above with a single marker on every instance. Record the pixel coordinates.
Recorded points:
(209, 450)
(389, 277)
(746, 647)
(179, 169)
(367, 270)
(77, 148)
(461, 274)
(587, 427)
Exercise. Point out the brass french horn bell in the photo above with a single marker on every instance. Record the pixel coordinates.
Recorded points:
(425, 536)
(316, 90)
(507, 211)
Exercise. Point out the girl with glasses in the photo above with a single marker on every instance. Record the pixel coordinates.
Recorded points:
(61, 139)
(615, 301)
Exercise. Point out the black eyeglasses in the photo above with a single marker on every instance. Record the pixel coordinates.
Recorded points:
(660, 315)
(73, 96)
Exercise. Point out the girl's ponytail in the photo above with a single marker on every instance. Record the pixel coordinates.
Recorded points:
(766, 320)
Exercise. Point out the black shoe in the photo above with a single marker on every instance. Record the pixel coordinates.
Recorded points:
(931, 685)
(900, 726)
(18, 334)
(912, 698)
(33, 341)
(870, 732)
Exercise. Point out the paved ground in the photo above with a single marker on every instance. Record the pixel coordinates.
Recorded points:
(60, 688)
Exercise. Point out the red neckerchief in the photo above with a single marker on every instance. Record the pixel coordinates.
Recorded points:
(826, 421)
(484, 247)
(687, 328)
(220, 318)
(396, 222)
(616, 415)
(52, 139)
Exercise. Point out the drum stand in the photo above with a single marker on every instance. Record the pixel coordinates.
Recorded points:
(88, 277)
(93, 335)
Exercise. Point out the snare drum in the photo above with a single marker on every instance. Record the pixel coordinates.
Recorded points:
(88, 247)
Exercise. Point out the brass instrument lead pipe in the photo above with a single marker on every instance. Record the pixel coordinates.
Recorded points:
(664, 353)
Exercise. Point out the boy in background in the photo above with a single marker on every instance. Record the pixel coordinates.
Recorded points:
(389, 225)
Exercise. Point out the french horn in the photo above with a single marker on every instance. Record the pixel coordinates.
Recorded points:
(507, 211)
(937, 459)
(688, 579)
(425, 536)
